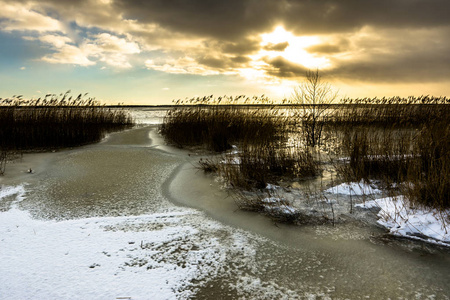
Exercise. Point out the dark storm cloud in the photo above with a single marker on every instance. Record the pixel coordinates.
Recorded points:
(324, 49)
(223, 63)
(395, 69)
(396, 56)
(219, 19)
(330, 48)
(281, 67)
(341, 16)
(236, 18)
(398, 45)
(230, 23)
(243, 46)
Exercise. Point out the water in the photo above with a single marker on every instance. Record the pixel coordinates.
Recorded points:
(237, 254)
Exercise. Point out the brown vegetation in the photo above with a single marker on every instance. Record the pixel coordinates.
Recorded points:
(56, 122)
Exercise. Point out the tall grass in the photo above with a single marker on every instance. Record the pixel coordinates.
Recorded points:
(207, 121)
(411, 112)
(260, 133)
(375, 154)
(56, 122)
(402, 143)
(414, 157)
(429, 175)
(256, 166)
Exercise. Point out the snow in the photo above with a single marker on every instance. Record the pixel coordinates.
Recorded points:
(164, 255)
(272, 187)
(403, 220)
(284, 209)
(231, 160)
(278, 205)
(354, 188)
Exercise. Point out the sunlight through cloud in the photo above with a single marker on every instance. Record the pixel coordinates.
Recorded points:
(295, 49)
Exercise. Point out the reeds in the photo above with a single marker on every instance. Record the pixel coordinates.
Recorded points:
(259, 133)
(411, 112)
(403, 143)
(375, 154)
(414, 160)
(205, 121)
(429, 176)
(254, 166)
(56, 122)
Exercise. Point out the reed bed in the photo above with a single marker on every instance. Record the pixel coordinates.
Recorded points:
(411, 112)
(403, 143)
(207, 121)
(56, 122)
(259, 134)
(429, 175)
(414, 160)
(254, 167)
(375, 154)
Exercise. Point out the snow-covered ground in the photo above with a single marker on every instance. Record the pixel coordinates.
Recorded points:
(395, 212)
(403, 220)
(353, 188)
(164, 255)
(398, 216)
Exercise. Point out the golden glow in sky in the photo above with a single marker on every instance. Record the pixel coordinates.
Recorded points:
(151, 52)
(295, 50)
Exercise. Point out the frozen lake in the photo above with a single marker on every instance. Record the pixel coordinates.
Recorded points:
(131, 218)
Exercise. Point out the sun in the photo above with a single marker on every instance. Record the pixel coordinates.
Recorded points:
(285, 44)
(295, 49)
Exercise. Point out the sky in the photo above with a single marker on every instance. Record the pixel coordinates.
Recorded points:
(155, 51)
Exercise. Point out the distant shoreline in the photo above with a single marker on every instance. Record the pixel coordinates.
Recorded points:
(167, 106)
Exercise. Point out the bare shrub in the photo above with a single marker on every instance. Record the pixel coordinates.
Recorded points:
(315, 98)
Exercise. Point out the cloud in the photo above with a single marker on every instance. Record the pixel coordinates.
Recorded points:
(276, 47)
(393, 56)
(17, 17)
(57, 41)
(106, 42)
(324, 49)
(229, 20)
(243, 46)
(69, 54)
(281, 67)
(385, 40)
(183, 65)
(111, 49)
(103, 47)
(313, 17)
(235, 19)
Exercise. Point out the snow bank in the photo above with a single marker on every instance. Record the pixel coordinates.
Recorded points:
(403, 220)
(354, 188)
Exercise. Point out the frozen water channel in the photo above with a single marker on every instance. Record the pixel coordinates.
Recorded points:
(130, 218)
